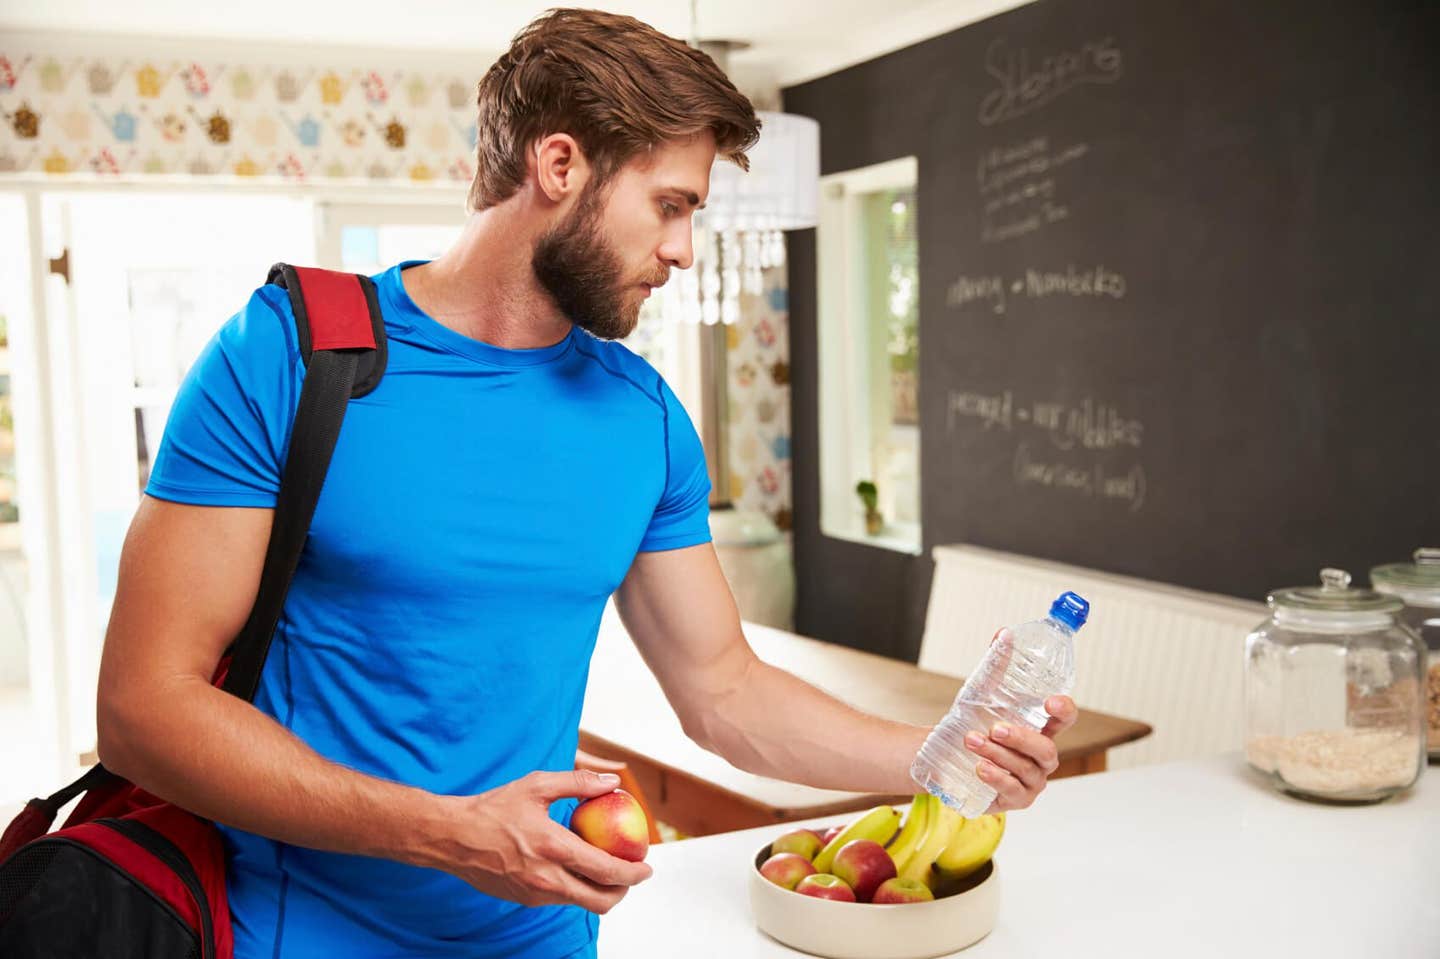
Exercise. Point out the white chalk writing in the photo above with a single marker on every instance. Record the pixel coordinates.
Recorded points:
(1072, 282)
(1087, 424)
(1125, 486)
(1080, 282)
(1024, 89)
(1019, 188)
(991, 410)
(977, 289)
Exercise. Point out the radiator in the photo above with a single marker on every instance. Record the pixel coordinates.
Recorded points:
(1164, 655)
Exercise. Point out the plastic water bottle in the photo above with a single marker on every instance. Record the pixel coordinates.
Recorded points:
(1023, 667)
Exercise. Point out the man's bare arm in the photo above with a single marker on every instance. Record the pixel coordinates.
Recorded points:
(678, 608)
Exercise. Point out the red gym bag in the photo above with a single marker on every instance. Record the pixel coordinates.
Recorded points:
(131, 876)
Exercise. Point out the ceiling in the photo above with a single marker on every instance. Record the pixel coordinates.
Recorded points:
(790, 40)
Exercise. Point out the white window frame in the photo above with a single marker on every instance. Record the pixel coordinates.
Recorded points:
(332, 216)
(852, 418)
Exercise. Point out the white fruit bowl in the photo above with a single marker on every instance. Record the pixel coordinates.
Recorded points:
(852, 930)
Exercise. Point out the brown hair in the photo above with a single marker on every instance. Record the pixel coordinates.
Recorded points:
(618, 86)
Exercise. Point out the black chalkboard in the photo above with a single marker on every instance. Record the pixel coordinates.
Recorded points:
(1180, 280)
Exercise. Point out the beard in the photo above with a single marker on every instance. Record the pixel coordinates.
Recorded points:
(583, 274)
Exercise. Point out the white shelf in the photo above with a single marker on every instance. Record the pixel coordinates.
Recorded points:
(898, 537)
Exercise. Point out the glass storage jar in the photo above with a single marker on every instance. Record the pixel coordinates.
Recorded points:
(1417, 585)
(1334, 693)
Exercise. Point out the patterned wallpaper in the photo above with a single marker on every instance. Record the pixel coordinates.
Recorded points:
(111, 115)
(759, 365)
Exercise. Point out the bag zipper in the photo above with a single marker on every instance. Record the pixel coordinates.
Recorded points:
(167, 852)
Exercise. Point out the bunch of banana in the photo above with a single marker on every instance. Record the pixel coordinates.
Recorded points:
(917, 822)
(972, 847)
(936, 826)
(879, 824)
(938, 846)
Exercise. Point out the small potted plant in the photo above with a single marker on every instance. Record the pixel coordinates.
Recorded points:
(874, 521)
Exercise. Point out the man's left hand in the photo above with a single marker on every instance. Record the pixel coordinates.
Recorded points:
(1016, 760)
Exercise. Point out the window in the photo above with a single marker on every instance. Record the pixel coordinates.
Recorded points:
(869, 294)
(370, 237)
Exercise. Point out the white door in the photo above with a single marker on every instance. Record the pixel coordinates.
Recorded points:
(153, 275)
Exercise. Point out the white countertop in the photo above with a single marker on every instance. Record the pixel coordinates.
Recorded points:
(1200, 858)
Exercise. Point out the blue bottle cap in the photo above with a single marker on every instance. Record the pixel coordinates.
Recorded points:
(1070, 609)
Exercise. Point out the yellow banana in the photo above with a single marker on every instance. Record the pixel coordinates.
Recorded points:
(932, 819)
(971, 848)
(879, 824)
(944, 821)
(913, 832)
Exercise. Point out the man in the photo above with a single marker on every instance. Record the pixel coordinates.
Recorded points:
(401, 784)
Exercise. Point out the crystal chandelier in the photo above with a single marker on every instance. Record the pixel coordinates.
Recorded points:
(739, 234)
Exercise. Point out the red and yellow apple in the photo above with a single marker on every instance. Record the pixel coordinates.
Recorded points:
(786, 869)
(615, 823)
(823, 885)
(803, 842)
(863, 864)
(899, 891)
(830, 834)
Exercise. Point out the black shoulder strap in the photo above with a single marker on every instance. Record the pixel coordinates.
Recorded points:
(342, 337)
(335, 345)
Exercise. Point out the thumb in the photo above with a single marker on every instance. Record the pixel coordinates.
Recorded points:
(580, 783)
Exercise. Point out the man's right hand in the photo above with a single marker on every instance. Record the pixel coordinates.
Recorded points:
(504, 843)
(188, 577)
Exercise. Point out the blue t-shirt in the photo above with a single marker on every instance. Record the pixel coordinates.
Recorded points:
(481, 506)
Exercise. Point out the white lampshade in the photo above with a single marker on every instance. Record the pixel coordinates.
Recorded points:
(782, 189)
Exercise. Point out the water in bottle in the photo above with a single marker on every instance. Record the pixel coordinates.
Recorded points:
(1023, 667)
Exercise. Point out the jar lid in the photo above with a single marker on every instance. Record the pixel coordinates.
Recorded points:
(1417, 583)
(1334, 603)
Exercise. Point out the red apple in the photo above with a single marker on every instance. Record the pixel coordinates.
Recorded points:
(615, 823)
(823, 885)
(863, 864)
(901, 891)
(804, 842)
(830, 834)
(786, 869)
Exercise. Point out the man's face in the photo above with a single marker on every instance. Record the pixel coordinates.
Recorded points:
(618, 243)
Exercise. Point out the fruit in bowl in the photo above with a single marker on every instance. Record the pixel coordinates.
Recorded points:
(897, 891)
(614, 822)
(786, 869)
(922, 911)
(803, 842)
(879, 824)
(970, 849)
(931, 848)
(863, 865)
(822, 885)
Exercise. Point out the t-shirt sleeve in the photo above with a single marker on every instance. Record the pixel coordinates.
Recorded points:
(682, 517)
(226, 435)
